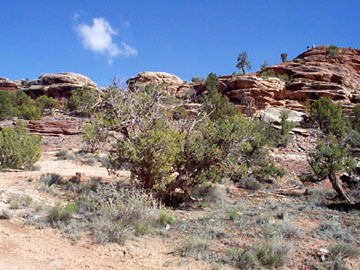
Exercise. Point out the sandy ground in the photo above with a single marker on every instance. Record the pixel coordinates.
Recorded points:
(24, 247)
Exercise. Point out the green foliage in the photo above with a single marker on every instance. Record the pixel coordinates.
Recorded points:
(166, 153)
(82, 101)
(18, 104)
(57, 216)
(215, 104)
(45, 102)
(331, 157)
(92, 135)
(150, 155)
(165, 217)
(261, 255)
(332, 51)
(328, 116)
(356, 119)
(18, 148)
(254, 154)
(264, 65)
(243, 63)
(197, 79)
(286, 127)
(271, 73)
(284, 57)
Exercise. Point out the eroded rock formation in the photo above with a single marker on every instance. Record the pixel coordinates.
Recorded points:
(58, 86)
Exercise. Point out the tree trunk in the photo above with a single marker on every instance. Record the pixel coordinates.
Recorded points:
(338, 188)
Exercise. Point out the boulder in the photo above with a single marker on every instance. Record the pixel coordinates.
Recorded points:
(272, 115)
(171, 83)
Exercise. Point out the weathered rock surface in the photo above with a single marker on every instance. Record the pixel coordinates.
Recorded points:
(273, 115)
(171, 83)
(8, 85)
(54, 127)
(312, 75)
(58, 86)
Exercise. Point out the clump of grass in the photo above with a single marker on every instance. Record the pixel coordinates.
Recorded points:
(66, 155)
(261, 255)
(332, 230)
(50, 179)
(320, 197)
(233, 214)
(89, 160)
(61, 154)
(120, 213)
(343, 250)
(72, 207)
(285, 230)
(165, 217)
(57, 216)
(19, 202)
(194, 246)
(4, 214)
(250, 183)
(336, 256)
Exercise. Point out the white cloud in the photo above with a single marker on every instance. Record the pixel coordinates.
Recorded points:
(98, 38)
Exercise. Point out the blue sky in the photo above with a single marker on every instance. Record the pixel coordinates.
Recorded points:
(116, 38)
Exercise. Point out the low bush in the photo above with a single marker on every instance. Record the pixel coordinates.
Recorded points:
(194, 246)
(18, 148)
(262, 254)
(57, 216)
(45, 102)
(118, 212)
(82, 101)
(271, 73)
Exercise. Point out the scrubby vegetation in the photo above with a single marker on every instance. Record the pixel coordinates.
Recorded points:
(18, 148)
(167, 153)
(334, 153)
(271, 73)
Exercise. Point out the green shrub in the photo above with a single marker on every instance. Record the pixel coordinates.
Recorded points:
(329, 159)
(18, 104)
(328, 116)
(165, 217)
(82, 101)
(263, 254)
(271, 73)
(284, 57)
(92, 137)
(119, 212)
(332, 51)
(165, 154)
(215, 104)
(57, 216)
(286, 127)
(45, 102)
(50, 179)
(194, 246)
(18, 148)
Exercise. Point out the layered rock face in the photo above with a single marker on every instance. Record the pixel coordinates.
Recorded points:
(319, 72)
(171, 83)
(315, 73)
(8, 85)
(58, 86)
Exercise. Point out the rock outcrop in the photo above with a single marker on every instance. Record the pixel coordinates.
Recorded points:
(58, 86)
(8, 85)
(171, 83)
(313, 74)
(54, 127)
(316, 73)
